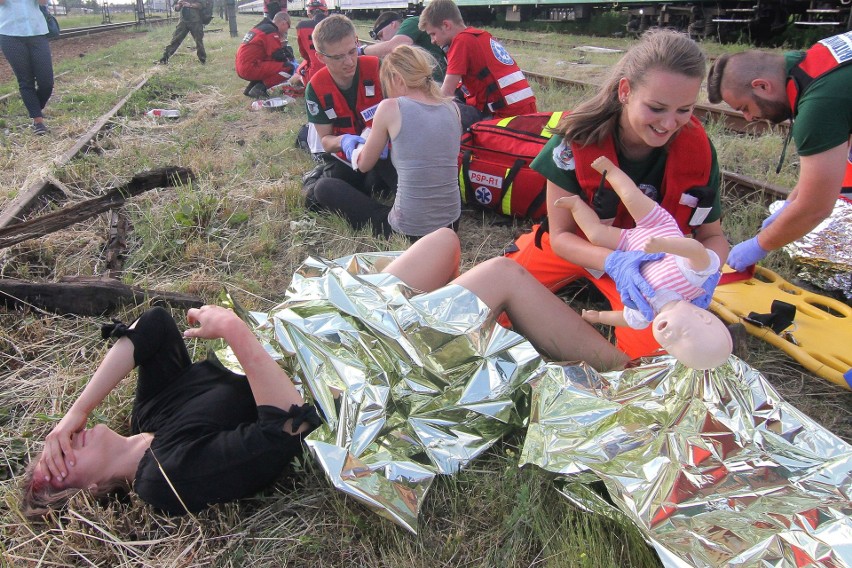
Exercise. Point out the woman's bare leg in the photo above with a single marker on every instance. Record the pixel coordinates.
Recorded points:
(430, 262)
(540, 316)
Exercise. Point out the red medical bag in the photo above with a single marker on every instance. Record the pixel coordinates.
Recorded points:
(494, 164)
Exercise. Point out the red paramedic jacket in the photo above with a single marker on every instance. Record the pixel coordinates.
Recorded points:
(346, 120)
(687, 166)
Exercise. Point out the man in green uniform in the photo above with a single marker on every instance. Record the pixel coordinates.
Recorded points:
(190, 23)
(814, 89)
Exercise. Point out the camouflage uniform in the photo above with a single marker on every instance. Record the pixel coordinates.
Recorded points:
(190, 23)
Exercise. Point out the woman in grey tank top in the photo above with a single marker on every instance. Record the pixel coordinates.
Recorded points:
(424, 130)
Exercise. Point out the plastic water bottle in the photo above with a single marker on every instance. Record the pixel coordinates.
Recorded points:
(276, 102)
(162, 112)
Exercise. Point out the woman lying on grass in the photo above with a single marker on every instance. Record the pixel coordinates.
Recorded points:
(200, 434)
(203, 435)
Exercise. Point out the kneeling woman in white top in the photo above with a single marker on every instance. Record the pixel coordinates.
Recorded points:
(424, 130)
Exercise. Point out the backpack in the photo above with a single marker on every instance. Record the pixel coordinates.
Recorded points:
(206, 11)
(494, 164)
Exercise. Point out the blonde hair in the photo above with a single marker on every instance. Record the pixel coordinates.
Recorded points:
(437, 11)
(414, 66)
(332, 29)
(596, 119)
(39, 497)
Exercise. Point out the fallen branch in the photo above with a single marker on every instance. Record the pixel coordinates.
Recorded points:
(67, 216)
(86, 296)
(27, 198)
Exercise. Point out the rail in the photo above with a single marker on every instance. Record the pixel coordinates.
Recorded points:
(102, 28)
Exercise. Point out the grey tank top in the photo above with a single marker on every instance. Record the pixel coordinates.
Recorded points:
(425, 154)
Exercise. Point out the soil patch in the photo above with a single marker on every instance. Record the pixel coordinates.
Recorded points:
(75, 47)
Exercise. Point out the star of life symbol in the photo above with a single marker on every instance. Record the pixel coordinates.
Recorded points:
(483, 195)
(500, 53)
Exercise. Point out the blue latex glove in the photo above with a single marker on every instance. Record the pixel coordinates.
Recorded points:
(709, 287)
(746, 254)
(385, 151)
(768, 220)
(623, 268)
(348, 143)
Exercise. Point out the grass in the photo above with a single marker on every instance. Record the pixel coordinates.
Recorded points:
(242, 224)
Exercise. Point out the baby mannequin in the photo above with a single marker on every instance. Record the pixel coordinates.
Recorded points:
(692, 335)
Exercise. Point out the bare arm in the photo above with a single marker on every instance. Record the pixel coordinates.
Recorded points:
(330, 142)
(386, 124)
(117, 364)
(812, 200)
(564, 242)
(448, 87)
(711, 236)
(270, 385)
(690, 249)
(384, 47)
(607, 317)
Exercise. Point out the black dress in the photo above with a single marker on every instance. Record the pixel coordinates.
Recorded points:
(212, 443)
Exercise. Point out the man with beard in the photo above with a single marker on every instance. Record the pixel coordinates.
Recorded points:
(814, 90)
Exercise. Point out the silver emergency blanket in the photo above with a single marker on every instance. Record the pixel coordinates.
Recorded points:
(410, 386)
(824, 256)
(712, 466)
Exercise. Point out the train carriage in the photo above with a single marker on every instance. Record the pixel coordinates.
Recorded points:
(759, 19)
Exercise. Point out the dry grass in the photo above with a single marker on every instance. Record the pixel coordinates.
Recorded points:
(241, 224)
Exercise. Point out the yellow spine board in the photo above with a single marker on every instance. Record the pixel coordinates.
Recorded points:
(822, 328)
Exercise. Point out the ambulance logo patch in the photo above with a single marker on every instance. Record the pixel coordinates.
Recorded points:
(313, 107)
(500, 53)
(483, 195)
(563, 157)
(248, 37)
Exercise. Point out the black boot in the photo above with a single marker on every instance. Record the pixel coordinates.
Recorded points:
(258, 91)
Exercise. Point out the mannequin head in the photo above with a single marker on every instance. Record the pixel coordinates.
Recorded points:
(693, 336)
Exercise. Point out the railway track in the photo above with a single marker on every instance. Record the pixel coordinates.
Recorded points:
(733, 120)
(103, 28)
